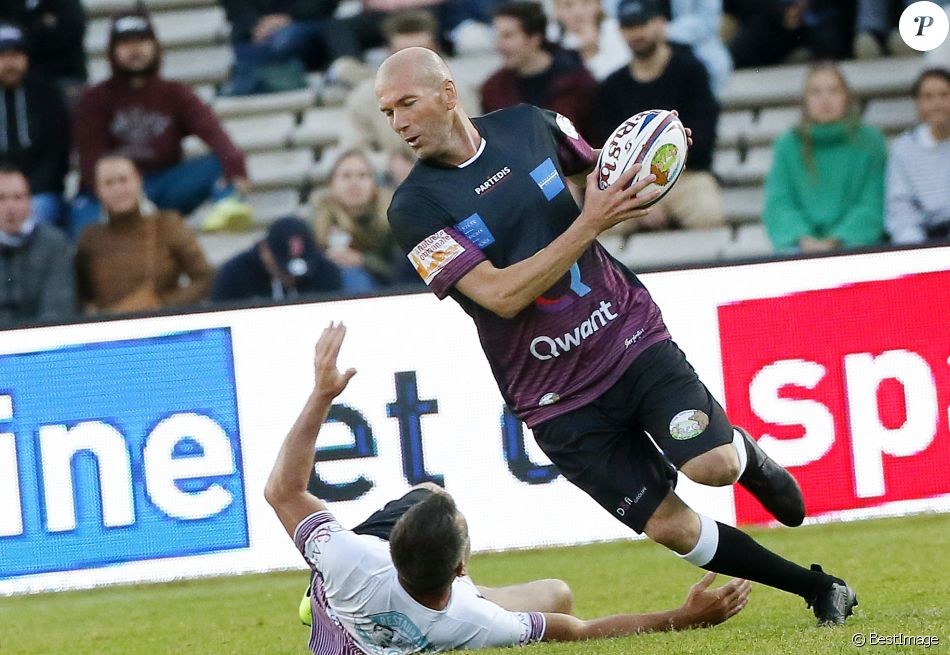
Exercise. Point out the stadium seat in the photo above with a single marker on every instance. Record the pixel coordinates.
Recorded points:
(197, 27)
(883, 77)
(743, 205)
(221, 246)
(266, 103)
(750, 170)
(287, 168)
(192, 66)
(726, 165)
(473, 70)
(750, 241)
(210, 64)
(320, 127)
(673, 248)
(891, 114)
(732, 127)
(255, 133)
(770, 86)
(756, 165)
(271, 205)
(772, 122)
(96, 8)
(268, 132)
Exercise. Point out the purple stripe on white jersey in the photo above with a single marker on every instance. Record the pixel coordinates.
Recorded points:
(327, 636)
(306, 527)
(538, 626)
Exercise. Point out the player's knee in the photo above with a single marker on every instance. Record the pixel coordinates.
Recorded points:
(677, 532)
(717, 468)
(562, 597)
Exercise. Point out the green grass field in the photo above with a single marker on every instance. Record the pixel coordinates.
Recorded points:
(899, 568)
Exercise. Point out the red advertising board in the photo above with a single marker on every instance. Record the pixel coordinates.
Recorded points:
(848, 387)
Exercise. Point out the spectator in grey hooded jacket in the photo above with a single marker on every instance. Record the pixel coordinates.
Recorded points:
(37, 282)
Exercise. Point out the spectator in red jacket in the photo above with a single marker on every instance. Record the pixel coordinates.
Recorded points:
(534, 71)
(138, 114)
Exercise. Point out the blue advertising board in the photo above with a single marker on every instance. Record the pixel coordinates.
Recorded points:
(120, 451)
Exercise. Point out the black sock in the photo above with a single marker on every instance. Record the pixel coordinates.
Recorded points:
(740, 556)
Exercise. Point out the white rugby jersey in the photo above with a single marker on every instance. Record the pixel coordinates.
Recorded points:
(359, 606)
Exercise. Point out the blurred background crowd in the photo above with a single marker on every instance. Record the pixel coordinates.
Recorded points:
(179, 153)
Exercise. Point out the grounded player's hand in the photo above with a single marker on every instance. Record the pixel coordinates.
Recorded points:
(619, 202)
(705, 607)
(328, 381)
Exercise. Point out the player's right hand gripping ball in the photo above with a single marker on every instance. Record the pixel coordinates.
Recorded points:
(656, 139)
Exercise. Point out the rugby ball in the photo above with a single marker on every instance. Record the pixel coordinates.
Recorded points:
(654, 138)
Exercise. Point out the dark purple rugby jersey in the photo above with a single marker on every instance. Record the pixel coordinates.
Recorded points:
(507, 203)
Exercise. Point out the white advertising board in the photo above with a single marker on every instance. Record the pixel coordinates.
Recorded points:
(137, 450)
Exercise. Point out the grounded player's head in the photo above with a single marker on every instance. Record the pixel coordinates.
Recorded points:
(429, 545)
(416, 92)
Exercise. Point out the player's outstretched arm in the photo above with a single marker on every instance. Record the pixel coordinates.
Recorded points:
(506, 291)
(703, 608)
(286, 488)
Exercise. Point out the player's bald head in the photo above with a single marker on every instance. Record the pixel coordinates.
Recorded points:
(416, 66)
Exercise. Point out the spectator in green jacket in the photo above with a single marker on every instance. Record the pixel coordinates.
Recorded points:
(826, 187)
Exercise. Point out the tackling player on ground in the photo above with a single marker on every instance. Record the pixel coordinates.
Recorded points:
(413, 594)
(575, 342)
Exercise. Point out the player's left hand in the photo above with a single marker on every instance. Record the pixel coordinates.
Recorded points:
(689, 132)
(328, 381)
(705, 607)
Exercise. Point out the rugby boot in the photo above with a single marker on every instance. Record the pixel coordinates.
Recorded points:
(835, 604)
(772, 485)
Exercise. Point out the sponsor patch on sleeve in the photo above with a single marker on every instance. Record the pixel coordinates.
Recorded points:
(433, 253)
(567, 126)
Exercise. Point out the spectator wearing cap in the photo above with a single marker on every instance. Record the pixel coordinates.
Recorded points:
(349, 220)
(36, 260)
(141, 259)
(537, 72)
(661, 76)
(918, 169)
(286, 264)
(144, 117)
(56, 29)
(34, 126)
(696, 24)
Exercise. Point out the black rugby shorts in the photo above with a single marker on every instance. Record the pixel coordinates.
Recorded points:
(624, 448)
(380, 523)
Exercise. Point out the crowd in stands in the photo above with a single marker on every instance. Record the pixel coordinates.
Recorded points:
(125, 240)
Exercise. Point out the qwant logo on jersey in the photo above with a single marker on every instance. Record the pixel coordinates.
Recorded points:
(545, 347)
(117, 452)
